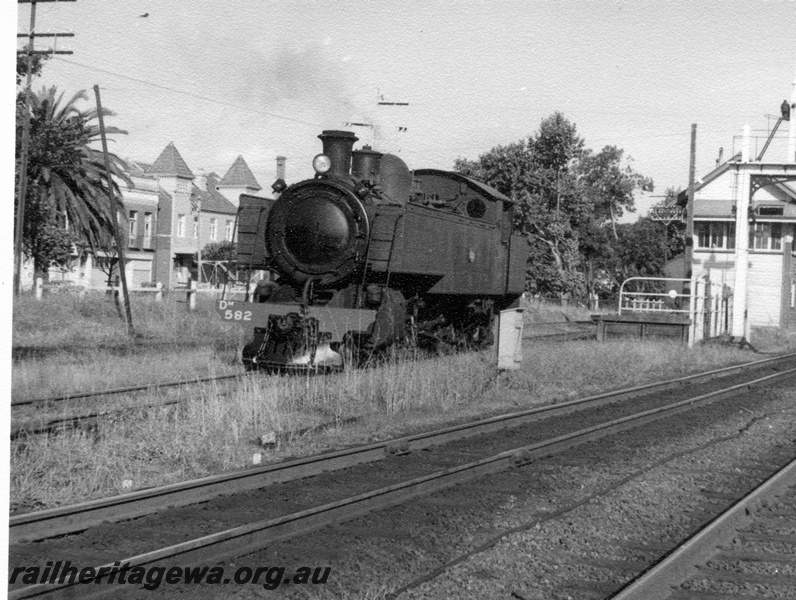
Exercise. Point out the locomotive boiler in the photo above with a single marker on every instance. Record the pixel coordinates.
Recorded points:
(368, 254)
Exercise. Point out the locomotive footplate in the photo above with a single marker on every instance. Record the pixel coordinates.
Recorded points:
(285, 336)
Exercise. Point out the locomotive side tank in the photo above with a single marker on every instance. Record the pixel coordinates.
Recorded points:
(367, 254)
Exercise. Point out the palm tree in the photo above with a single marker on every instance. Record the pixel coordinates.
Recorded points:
(67, 187)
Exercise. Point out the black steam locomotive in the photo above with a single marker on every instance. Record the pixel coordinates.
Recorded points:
(368, 253)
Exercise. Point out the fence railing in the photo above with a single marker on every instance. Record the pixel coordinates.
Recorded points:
(669, 302)
(708, 305)
(191, 290)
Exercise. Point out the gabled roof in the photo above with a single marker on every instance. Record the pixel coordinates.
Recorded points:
(170, 163)
(211, 199)
(240, 175)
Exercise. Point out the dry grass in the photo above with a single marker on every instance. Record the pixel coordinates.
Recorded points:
(76, 344)
(218, 426)
(218, 429)
(68, 321)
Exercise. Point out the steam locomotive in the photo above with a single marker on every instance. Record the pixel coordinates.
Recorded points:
(368, 254)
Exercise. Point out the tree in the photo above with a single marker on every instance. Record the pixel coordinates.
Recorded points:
(610, 184)
(675, 227)
(224, 250)
(67, 188)
(537, 173)
(570, 200)
(37, 62)
(640, 250)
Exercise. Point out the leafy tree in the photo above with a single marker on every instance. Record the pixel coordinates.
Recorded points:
(675, 228)
(610, 184)
(537, 172)
(37, 63)
(67, 185)
(640, 250)
(570, 201)
(224, 250)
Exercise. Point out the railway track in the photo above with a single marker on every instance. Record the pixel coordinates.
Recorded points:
(89, 418)
(581, 332)
(41, 524)
(733, 554)
(251, 536)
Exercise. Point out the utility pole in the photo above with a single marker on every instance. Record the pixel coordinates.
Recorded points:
(689, 224)
(22, 187)
(116, 231)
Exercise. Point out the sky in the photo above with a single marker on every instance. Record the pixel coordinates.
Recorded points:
(262, 78)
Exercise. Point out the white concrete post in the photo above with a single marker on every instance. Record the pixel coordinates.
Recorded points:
(791, 158)
(117, 294)
(739, 329)
(191, 295)
(39, 288)
(159, 293)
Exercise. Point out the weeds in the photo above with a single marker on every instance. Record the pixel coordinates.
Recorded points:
(218, 428)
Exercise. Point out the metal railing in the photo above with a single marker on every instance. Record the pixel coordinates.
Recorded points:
(709, 306)
(664, 302)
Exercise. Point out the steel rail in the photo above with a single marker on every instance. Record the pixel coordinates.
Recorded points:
(254, 536)
(52, 522)
(125, 390)
(181, 382)
(680, 564)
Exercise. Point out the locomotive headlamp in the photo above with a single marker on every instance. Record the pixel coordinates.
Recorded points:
(279, 186)
(321, 164)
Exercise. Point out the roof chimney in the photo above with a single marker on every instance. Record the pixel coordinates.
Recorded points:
(280, 167)
(201, 180)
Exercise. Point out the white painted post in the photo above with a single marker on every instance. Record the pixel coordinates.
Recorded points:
(791, 157)
(117, 294)
(191, 295)
(739, 329)
(159, 293)
(692, 312)
(509, 342)
(38, 288)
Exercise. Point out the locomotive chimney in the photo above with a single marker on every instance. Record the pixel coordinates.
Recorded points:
(337, 145)
(365, 164)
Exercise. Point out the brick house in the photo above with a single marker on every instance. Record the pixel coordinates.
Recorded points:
(170, 214)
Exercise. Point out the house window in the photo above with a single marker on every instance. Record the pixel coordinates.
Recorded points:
(195, 227)
(715, 235)
(181, 226)
(213, 229)
(765, 236)
(228, 231)
(132, 229)
(147, 226)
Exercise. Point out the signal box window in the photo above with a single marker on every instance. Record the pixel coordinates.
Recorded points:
(765, 236)
(715, 235)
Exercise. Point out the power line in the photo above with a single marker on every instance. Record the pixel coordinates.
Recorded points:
(189, 94)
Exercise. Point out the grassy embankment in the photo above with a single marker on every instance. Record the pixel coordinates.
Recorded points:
(218, 429)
